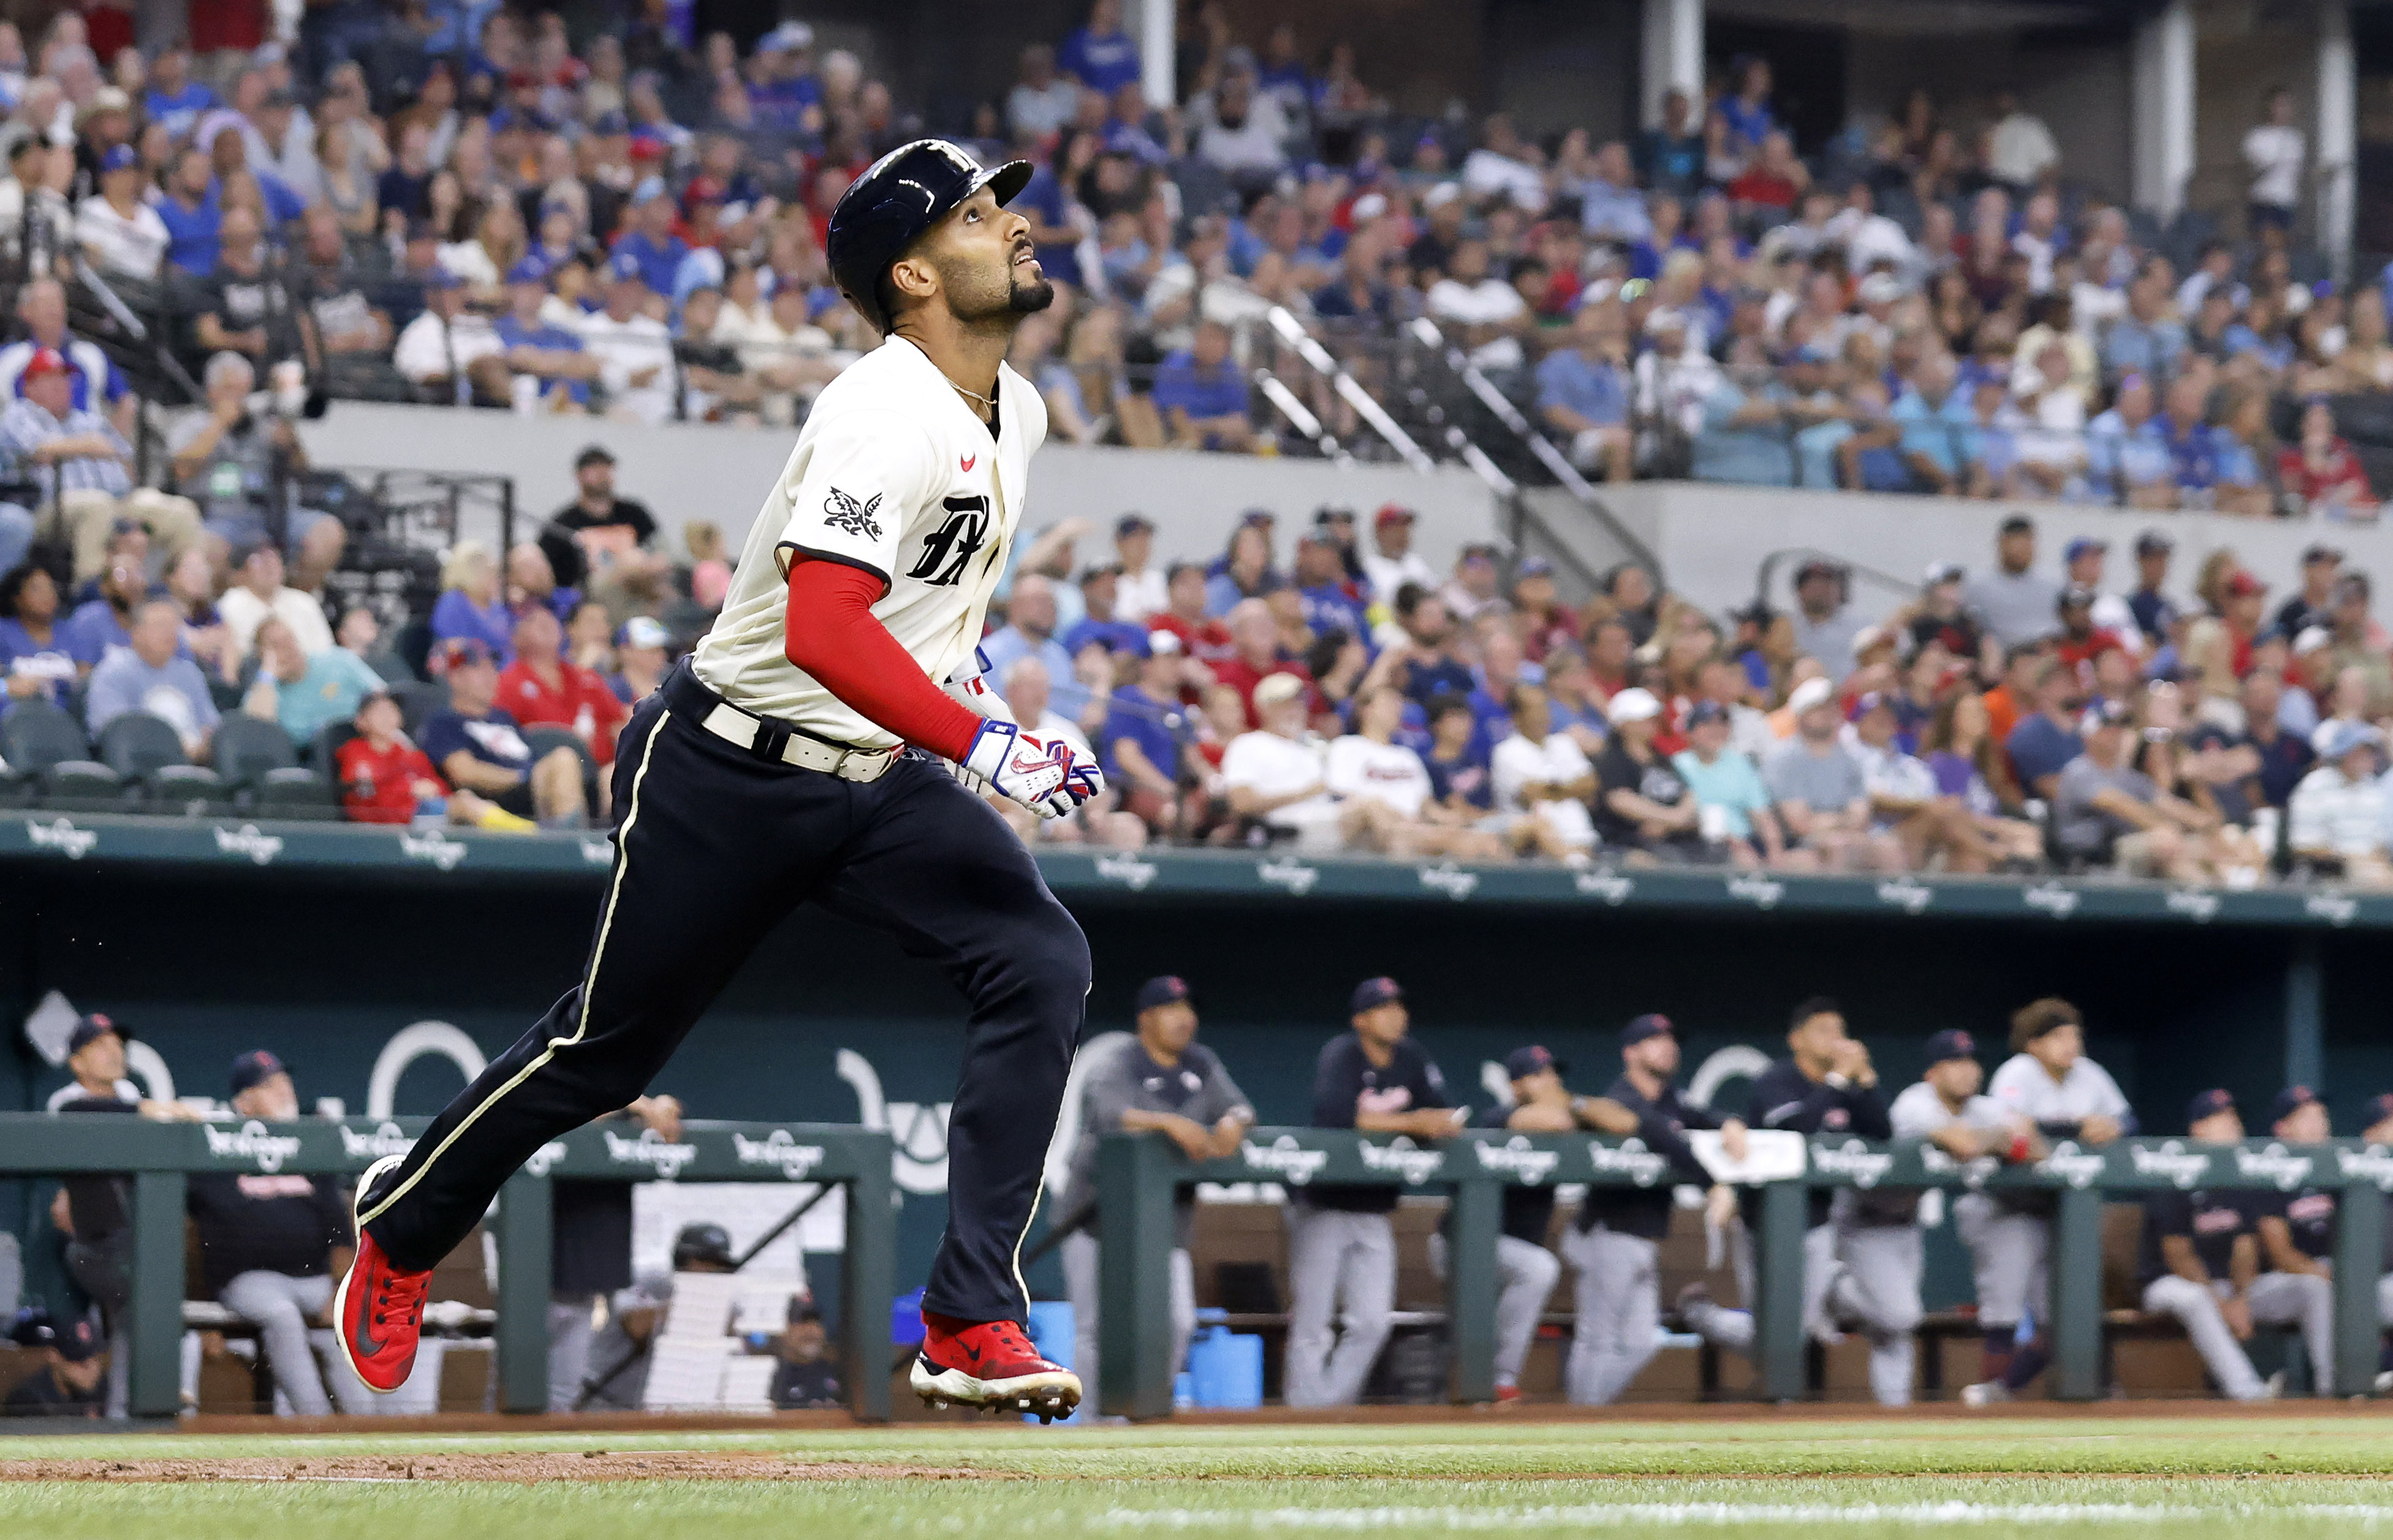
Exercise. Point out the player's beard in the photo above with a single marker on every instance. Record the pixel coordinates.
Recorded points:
(1028, 299)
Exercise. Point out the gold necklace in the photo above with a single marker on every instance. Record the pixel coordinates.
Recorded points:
(974, 394)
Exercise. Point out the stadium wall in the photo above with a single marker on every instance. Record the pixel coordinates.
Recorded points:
(328, 966)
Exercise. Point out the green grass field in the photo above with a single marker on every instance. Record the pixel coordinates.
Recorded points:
(2190, 1477)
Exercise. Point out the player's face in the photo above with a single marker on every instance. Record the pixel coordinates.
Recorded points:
(2219, 1128)
(1169, 1026)
(983, 256)
(1383, 1024)
(2305, 1125)
(2059, 1049)
(1956, 1078)
(1656, 1055)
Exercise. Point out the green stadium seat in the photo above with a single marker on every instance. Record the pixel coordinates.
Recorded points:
(36, 734)
(191, 790)
(85, 786)
(247, 749)
(295, 793)
(138, 745)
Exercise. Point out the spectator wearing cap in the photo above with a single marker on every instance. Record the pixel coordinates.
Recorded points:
(646, 240)
(1377, 1080)
(2080, 641)
(536, 347)
(2336, 817)
(80, 459)
(475, 745)
(1276, 775)
(1391, 562)
(231, 464)
(1826, 1084)
(1525, 1271)
(345, 332)
(1139, 744)
(2107, 813)
(2049, 1081)
(1820, 792)
(1546, 623)
(1905, 802)
(2084, 560)
(543, 687)
(2155, 612)
(271, 1246)
(384, 779)
(599, 530)
(806, 1377)
(1332, 601)
(2015, 603)
(1826, 626)
(1100, 621)
(643, 653)
(1202, 393)
(2201, 1264)
(1162, 1081)
(1614, 1243)
(1477, 587)
(69, 1363)
(1944, 1107)
(98, 384)
(1144, 588)
(1642, 806)
(451, 351)
(590, 1250)
(2313, 604)
(633, 349)
(1583, 392)
(121, 234)
(1734, 805)
(1940, 615)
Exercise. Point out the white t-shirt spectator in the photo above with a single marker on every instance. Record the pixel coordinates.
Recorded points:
(2330, 811)
(1141, 593)
(1390, 773)
(430, 348)
(1030, 109)
(1275, 766)
(2020, 148)
(1258, 144)
(2275, 154)
(1487, 174)
(244, 612)
(626, 348)
(1891, 774)
(1489, 302)
(1386, 574)
(1559, 759)
(117, 244)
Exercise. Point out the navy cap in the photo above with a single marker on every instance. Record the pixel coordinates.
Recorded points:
(624, 266)
(2378, 1108)
(1704, 711)
(2082, 544)
(1650, 1024)
(121, 157)
(1530, 1059)
(2290, 1101)
(1169, 989)
(2208, 1105)
(1950, 1043)
(90, 1027)
(76, 1341)
(531, 269)
(2151, 542)
(1371, 994)
(254, 1068)
(1132, 524)
(2103, 713)
(441, 277)
(610, 122)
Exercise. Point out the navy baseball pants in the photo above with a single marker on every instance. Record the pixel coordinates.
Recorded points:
(714, 847)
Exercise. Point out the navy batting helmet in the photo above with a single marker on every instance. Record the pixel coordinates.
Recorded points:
(710, 1244)
(905, 193)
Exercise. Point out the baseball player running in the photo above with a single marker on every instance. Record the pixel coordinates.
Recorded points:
(797, 758)
(2049, 1081)
(1616, 1244)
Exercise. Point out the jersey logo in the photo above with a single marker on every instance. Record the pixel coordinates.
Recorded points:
(968, 461)
(844, 513)
(950, 548)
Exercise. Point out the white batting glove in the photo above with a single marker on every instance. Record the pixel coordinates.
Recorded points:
(1032, 771)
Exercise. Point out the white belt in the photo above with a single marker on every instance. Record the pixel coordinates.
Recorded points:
(735, 726)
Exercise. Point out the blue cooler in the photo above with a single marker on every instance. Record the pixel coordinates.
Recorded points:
(906, 1320)
(1225, 1369)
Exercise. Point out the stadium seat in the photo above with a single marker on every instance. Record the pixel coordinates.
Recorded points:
(295, 793)
(36, 734)
(546, 739)
(247, 749)
(85, 786)
(138, 745)
(417, 701)
(324, 753)
(193, 791)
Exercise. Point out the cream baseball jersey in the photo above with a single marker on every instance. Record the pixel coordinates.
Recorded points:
(895, 474)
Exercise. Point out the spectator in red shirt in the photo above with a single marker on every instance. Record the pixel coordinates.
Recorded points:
(2081, 640)
(384, 776)
(1201, 636)
(2322, 470)
(1254, 640)
(541, 687)
(1546, 622)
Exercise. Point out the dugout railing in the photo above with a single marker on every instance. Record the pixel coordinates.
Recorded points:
(159, 1159)
(1137, 1174)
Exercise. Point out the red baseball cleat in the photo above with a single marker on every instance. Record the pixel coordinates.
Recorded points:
(991, 1364)
(378, 1310)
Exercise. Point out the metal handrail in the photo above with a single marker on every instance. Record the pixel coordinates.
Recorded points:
(1291, 331)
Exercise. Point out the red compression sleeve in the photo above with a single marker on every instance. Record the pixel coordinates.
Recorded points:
(832, 635)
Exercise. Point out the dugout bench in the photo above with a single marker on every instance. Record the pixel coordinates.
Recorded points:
(1136, 1175)
(160, 1157)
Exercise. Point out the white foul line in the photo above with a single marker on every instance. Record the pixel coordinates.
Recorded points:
(1720, 1515)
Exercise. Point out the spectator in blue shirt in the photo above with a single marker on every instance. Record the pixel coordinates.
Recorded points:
(1100, 56)
(479, 748)
(2192, 448)
(1047, 205)
(470, 606)
(2146, 340)
(647, 237)
(1100, 589)
(2042, 744)
(174, 99)
(1670, 159)
(1458, 769)
(2126, 459)
(537, 346)
(784, 94)
(1930, 413)
(1743, 438)
(1610, 207)
(148, 674)
(33, 656)
(1202, 393)
(1583, 391)
(1331, 600)
(191, 214)
(95, 383)
(1747, 113)
(1139, 744)
(1030, 632)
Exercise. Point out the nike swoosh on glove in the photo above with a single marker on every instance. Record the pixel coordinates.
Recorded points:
(1031, 771)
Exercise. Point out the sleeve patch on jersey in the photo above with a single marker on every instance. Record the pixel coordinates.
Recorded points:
(844, 513)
